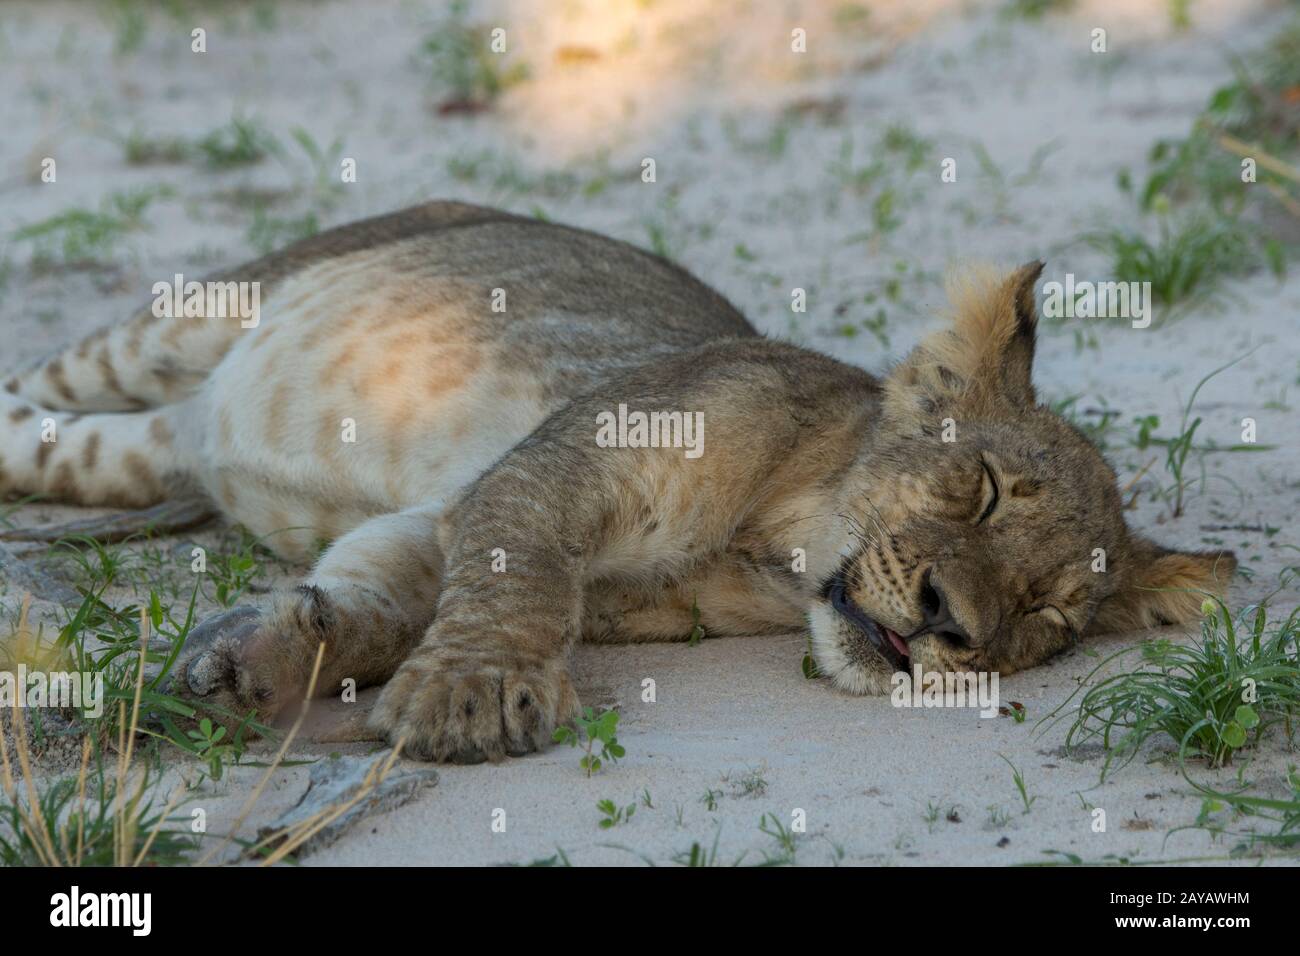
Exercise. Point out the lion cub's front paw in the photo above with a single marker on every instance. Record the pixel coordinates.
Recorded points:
(469, 706)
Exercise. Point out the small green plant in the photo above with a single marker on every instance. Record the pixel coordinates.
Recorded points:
(1003, 188)
(1033, 9)
(697, 629)
(210, 748)
(710, 799)
(884, 215)
(697, 855)
(93, 820)
(119, 824)
(751, 783)
(323, 165)
(1189, 258)
(875, 324)
(232, 574)
(1178, 447)
(809, 666)
(1252, 116)
(1230, 176)
(612, 814)
(887, 177)
(92, 564)
(902, 140)
(771, 825)
(115, 645)
(1211, 698)
(110, 816)
(241, 142)
(657, 234)
(557, 859)
(467, 72)
(268, 233)
(130, 25)
(142, 150)
(79, 237)
(1284, 812)
(845, 170)
(1019, 779)
(596, 729)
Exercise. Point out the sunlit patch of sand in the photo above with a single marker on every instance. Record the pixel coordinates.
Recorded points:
(604, 71)
(609, 72)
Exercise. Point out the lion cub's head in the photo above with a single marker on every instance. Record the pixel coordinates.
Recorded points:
(988, 533)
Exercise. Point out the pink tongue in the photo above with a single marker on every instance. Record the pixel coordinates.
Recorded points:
(899, 644)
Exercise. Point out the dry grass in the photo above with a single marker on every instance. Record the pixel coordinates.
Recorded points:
(58, 837)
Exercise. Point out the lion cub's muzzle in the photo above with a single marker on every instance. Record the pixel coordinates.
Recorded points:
(891, 646)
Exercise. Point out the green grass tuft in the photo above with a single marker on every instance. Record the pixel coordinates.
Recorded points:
(1188, 259)
(469, 75)
(241, 142)
(80, 237)
(1212, 698)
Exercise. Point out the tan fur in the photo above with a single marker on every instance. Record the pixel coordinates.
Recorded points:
(474, 443)
(1021, 584)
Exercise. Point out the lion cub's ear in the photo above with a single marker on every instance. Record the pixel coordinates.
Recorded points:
(1164, 587)
(987, 356)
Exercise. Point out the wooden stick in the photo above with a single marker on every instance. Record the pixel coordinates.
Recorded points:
(1269, 162)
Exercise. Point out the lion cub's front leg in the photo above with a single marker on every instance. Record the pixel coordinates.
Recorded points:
(490, 678)
(563, 513)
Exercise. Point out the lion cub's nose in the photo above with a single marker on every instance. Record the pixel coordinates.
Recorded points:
(935, 616)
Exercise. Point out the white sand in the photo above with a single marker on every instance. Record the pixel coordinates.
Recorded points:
(702, 93)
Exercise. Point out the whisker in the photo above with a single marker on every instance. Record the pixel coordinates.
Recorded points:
(878, 518)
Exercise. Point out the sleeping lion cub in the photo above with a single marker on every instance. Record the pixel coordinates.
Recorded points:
(515, 435)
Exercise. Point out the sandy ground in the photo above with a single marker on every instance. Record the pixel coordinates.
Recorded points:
(758, 153)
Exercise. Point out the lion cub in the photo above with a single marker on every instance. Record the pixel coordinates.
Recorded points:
(515, 435)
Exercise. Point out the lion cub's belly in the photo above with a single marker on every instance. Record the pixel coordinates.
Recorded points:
(355, 396)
